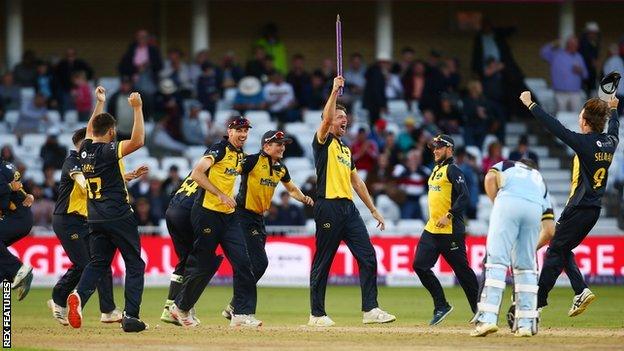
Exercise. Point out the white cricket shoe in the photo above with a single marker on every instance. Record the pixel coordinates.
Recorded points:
(227, 312)
(323, 321)
(377, 315)
(580, 302)
(245, 320)
(194, 315)
(524, 332)
(483, 329)
(21, 282)
(183, 317)
(115, 316)
(59, 313)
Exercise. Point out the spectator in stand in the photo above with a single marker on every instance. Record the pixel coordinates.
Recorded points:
(195, 68)
(450, 71)
(449, 117)
(142, 58)
(319, 91)
(273, 46)
(364, 151)
(143, 213)
(429, 125)
(394, 87)
(378, 133)
(494, 91)
(10, 93)
(412, 178)
(380, 181)
(178, 71)
(167, 135)
(192, 128)
(354, 75)
(494, 156)
(118, 106)
(615, 63)
(249, 95)
(280, 98)
(42, 208)
(477, 115)
(300, 81)
(157, 199)
(472, 181)
(590, 50)
(405, 140)
(231, 71)
(287, 213)
(491, 43)
(328, 68)
(309, 189)
(391, 148)
(435, 82)
(209, 87)
(52, 153)
(523, 151)
(374, 99)
(33, 117)
(44, 82)
(567, 71)
(7, 155)
(82, 96)
(171, 183)
(63, 74)
(25, 72)
(49, 187)
(408, 58)
(255, 67)
(294, 149)
(414, 82)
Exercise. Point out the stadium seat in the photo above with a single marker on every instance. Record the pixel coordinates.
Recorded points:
(299, 163)
(411, 227)
(181, 162)
(70, 118)
(222, 117)
(11, 117)
(298, 129)
(312, 117)
(65, 139)
(27, 96)
(8, 139)
(229, 95)
(397, 110)
(258, 117)
(193, 153)
(33, 142)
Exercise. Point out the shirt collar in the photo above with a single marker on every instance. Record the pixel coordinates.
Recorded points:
(448, 161)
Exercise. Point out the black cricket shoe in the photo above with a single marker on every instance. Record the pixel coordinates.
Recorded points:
(440, 314)
(132, 325)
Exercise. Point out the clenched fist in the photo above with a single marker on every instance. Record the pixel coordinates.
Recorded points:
(525, 97)
(100, 93)
(135, 100)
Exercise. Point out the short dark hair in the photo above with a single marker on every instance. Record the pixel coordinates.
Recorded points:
(341, 108)
(102, 123)
(79, 135)
(524, 140)
(595, 114)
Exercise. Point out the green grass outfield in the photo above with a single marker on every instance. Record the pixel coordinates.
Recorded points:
(285, 312)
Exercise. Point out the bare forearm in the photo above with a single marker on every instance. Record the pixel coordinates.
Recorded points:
(362, 192)
(138, 129)
(99, 108)
(202, 180)
(296, 194)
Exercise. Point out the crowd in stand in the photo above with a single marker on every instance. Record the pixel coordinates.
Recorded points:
(176, 89)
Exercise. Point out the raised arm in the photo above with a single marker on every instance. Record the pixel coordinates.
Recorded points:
(137, 139)
(199, 176)
(547, 52)
(614, 121)
(329, 111)
(360, 188)
(569, 137)
(100, 95)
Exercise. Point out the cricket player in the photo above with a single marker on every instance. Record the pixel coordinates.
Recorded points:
(337, 219)
(180, 228)
(16, 221)
(520, 198)
(594, 153)
(261, 173)
(214, 223)
(71, 228)
(111, 219)
(445, 231)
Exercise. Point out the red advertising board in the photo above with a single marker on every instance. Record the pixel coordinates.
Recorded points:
(290, 258)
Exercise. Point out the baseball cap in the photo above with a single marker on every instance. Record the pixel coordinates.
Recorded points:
(239, 122)
(441, 141)
(275, 136)
(608, 86)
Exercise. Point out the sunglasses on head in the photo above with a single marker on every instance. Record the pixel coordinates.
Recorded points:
(277, 136)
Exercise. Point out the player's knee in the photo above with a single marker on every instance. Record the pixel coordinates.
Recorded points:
(420, 267)
(497, 259)
(136, 265)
